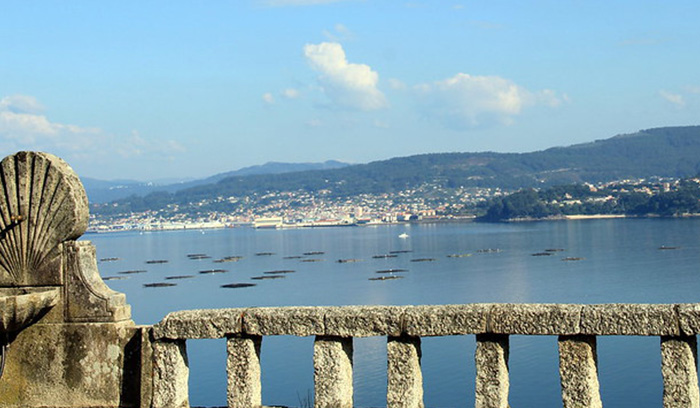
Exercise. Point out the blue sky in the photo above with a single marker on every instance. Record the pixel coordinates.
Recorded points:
(187, 89)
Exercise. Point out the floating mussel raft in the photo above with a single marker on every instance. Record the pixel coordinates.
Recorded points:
(392, 270)
(208, 271)
(278, 272)
(133, 271)
(238, 285)
(266, 277)
(228, 259)
(382, 278)
(158, 285)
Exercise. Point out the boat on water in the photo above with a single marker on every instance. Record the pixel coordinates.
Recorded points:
(403, 236)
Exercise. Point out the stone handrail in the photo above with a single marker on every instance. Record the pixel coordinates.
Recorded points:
(334, 327)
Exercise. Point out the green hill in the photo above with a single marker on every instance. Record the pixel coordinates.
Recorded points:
(664, 152)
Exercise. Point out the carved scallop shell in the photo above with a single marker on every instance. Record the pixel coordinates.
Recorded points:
(42, 204)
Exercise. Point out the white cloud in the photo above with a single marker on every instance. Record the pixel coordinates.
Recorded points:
(397, 84)
(340, 32)
(673, 98)
(314, 123)
(348, 85)
(692, 89)
(551, 98)
(268, 98)
(20, 104)
(23, 127)
(290, 93)
(381, 124)
(466, 101)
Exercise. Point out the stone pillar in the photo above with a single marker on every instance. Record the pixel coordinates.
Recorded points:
(243, 368)
(333, 372)
(405, 379)
(679, 369)
(578, 370)
(492, 379)
(170, 374)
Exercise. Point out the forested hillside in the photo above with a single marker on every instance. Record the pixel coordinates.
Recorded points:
(663, 152)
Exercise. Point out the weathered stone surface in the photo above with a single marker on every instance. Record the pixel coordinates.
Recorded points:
(553, 319)
(73, 365)
(42, 204)
(244, 389)
(363, 321)
(445, 320)
(170, 374)
(404, 376)
(86, 297)
(689, 318)
(492, 378)
(200, 324)
(333, 372)
(139, 352)
(294, 321)
(578, 371)
(21, 307)
(679, 370)
(630, 319)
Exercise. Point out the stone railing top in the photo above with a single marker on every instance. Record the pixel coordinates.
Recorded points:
(435, 320)
(42, 204)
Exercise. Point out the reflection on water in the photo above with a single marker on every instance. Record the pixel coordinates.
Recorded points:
(615, 261)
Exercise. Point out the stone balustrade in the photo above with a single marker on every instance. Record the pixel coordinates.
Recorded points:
(577, 327)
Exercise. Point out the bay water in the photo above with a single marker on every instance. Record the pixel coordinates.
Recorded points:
(613, 261)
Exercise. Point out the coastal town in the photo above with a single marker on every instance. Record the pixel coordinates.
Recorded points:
(301, 209)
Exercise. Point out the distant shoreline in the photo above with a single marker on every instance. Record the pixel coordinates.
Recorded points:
(593, 216)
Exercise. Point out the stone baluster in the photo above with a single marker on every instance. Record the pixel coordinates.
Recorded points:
(492, 379)
(404, 376)
(679, 369)
(578, 370)
(333, 372)
(170, 374)
(243, 368)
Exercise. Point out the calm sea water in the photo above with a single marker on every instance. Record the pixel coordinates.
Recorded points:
(621, 262)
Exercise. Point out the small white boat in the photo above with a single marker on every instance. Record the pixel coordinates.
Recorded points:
(403, 236)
